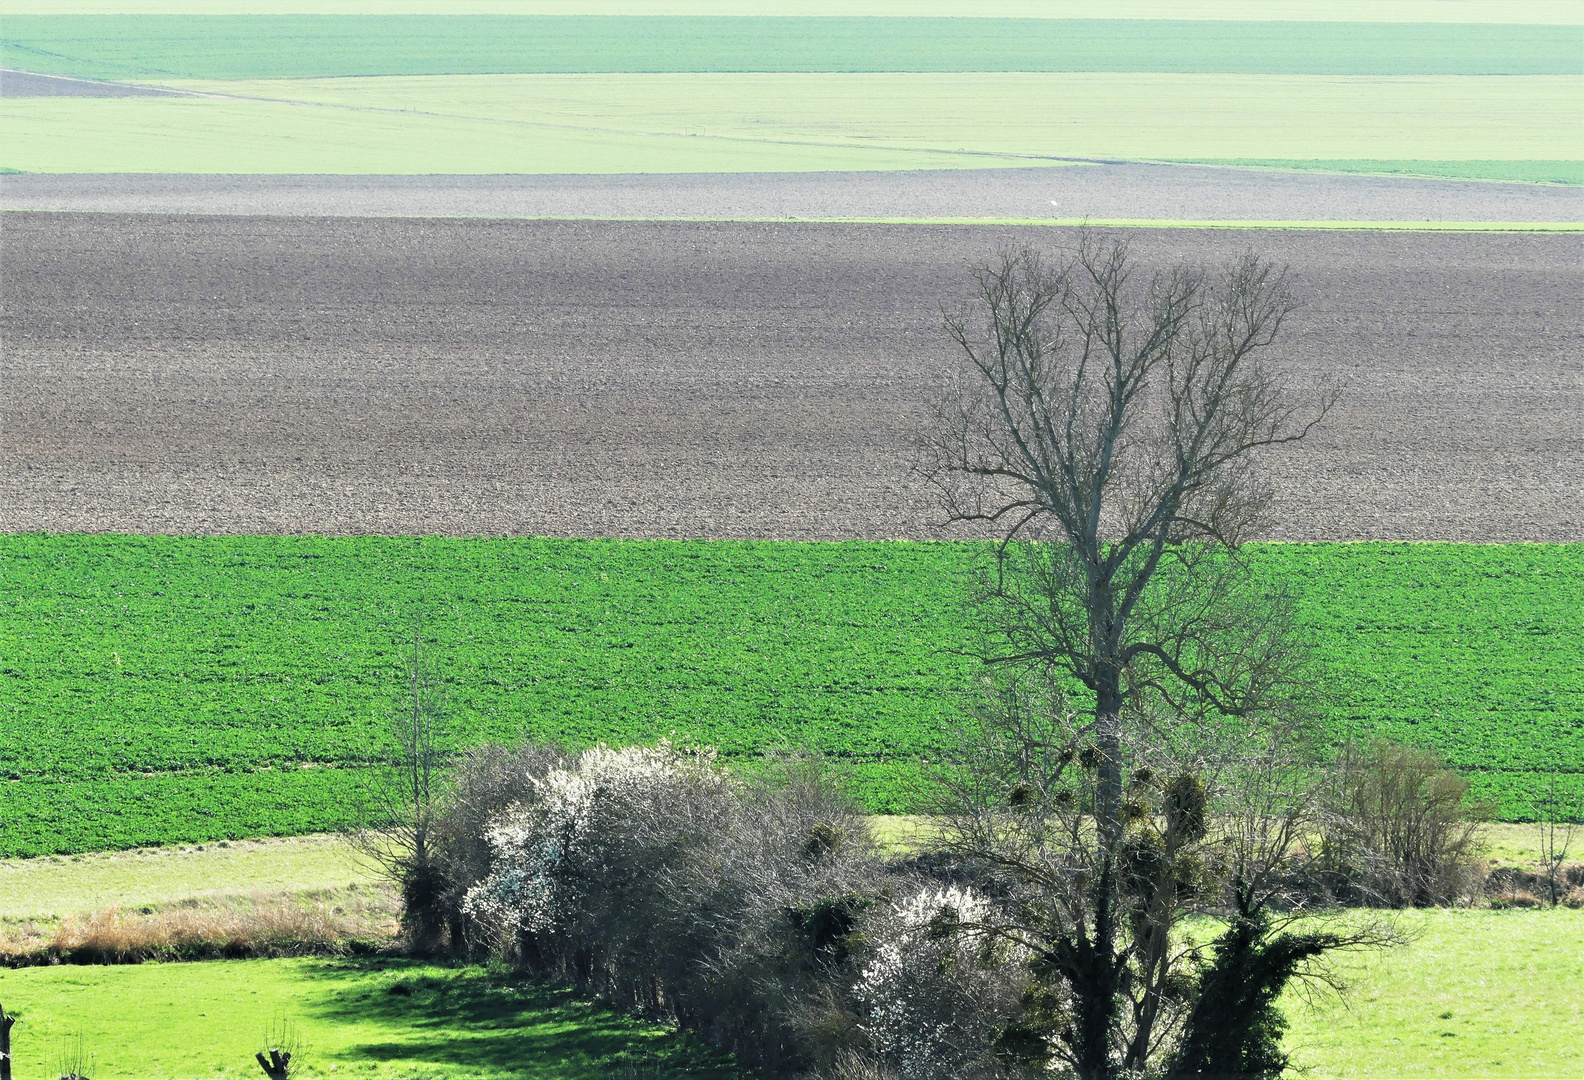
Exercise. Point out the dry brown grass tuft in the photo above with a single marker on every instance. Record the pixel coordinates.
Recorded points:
(261, 924)
(1516, 898)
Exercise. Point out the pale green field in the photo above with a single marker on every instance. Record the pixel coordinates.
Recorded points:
(789, 122)
(1478, 994)
(191, 135)
(1555, 12)
(56, 886)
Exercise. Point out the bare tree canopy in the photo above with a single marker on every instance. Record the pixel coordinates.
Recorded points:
(1108, 425)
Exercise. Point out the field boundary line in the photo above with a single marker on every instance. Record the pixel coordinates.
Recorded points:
(1319, 225)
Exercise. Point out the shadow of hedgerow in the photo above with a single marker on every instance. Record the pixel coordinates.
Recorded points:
(472, 1017)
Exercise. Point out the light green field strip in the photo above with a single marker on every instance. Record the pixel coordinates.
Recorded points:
(340, 46)
(65, 135)
(791, 122)
(1553, 12)
(57, 886)
(1484, 994)
(1487, 994)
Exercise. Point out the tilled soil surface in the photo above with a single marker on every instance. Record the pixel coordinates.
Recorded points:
(235, 374)
(1174, 192)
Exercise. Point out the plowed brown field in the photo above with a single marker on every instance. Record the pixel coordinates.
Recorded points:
(343, 375)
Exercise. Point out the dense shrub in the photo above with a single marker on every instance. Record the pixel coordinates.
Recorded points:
(661, 882)
(757, 912)
(1399, 829)
(936, 989)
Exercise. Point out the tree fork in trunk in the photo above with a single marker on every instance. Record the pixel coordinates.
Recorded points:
(277, 1066)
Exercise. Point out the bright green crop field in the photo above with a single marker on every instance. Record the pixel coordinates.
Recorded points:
(311, 46)
(162, 689)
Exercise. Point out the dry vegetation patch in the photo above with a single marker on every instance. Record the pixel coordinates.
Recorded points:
(318, 922)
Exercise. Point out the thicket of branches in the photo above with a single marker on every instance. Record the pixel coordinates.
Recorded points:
(1139, 845)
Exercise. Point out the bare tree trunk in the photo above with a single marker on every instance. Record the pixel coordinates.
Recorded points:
(277, 1066)
(6, 1021)
(1108, 738)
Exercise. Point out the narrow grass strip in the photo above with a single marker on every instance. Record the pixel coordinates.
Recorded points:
(1139, 223)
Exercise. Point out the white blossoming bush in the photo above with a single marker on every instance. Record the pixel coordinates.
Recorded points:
(653, 879)
(594, 836)
(938, 985)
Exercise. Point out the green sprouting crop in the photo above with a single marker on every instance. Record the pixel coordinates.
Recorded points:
(161, 689)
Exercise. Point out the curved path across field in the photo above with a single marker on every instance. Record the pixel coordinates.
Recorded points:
(276, 375)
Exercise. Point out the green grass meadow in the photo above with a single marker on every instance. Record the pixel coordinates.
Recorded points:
(1528, 12)
(176, 689)
(379, 1019)
(1476, 993)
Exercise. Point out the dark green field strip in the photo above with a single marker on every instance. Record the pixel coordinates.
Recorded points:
(195, 662)
(124, 811)
(1532, 172)
(305, 46)
(251, 651)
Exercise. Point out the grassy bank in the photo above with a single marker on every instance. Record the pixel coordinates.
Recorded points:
(1465, 998)
(1476, 994)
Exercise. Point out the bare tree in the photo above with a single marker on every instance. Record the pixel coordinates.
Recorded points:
(1557, 821)
(1212, 821)
(1108, 426)
(1399, 827)
(404, 804)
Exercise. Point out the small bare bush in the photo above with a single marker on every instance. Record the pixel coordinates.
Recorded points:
(1399, 829)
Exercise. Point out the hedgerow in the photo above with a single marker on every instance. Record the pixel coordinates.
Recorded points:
(186, 689)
